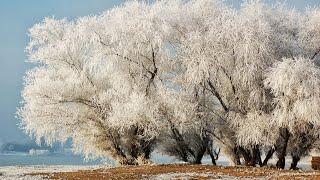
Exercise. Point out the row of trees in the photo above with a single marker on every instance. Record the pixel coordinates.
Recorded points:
(178, 76)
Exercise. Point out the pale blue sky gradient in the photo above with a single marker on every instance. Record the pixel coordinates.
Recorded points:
(16, 16)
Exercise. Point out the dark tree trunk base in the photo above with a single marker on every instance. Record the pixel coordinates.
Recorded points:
(282, 149)
(294, 163)
(268, 156)
(281, 163)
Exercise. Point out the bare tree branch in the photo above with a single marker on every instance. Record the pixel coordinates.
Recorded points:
(315, 54)
(215, 93)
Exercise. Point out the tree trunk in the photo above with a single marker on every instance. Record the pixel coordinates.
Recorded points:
(147, 147)
(246, 155)
(183, 148)
(236, 157)
(133, 148)
(213, 159)
(234, 154)
(268, 156)
(282, 149)
(117, 151)
(210, 151)
(256, 156)
(207, 146)
(200, 155)
(303, 143)
(259, 159)
(294, 163)
(281, 162)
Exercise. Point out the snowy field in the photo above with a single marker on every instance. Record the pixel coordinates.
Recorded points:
(14, 166)
(18, 171)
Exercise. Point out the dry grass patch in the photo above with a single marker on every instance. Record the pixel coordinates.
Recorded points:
(179, 171)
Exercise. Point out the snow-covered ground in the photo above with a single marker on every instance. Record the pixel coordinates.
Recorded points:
(190, 176)
(17, 172)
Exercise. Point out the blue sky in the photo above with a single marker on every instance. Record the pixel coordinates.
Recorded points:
(16, 16)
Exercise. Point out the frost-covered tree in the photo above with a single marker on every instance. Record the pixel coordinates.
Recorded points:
(295, 85)
(93, 83)
(186, 131)
(229, 54)
(213, 51)
(181, 76)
